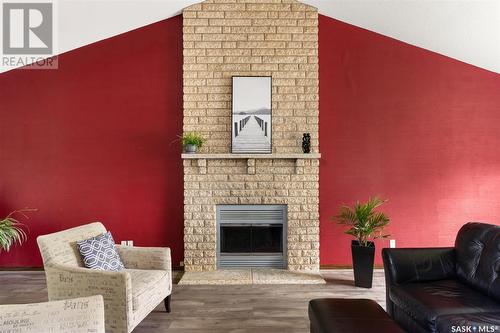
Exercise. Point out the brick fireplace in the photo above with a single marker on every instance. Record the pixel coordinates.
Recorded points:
(277, 38)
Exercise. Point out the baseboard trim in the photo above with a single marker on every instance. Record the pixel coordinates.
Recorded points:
(180, 268)
(15, 269)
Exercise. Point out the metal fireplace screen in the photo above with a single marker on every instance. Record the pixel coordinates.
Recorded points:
(251, 236)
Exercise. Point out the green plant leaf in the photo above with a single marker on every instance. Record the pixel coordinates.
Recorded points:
(192, 138)
(364, 222)
(12, 231)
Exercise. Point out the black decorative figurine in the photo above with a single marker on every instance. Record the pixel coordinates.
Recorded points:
(306, 143)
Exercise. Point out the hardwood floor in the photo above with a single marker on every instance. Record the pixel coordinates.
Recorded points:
(225, 309)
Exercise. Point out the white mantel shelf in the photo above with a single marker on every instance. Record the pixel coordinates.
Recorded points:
(290, 156)
(298, 157)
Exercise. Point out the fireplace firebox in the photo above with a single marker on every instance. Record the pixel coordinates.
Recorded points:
(251, 236)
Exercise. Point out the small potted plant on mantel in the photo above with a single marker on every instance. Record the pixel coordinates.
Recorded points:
(366, 225)
(192, 141)
(12, 231)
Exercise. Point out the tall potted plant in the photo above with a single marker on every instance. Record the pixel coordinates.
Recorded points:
(12, 231)
(365, 224)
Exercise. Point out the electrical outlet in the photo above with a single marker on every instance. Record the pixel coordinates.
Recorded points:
(392, 243)
(124, 243)
(181, 263)
(130, 243)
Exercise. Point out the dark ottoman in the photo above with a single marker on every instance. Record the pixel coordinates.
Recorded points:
(331, 315)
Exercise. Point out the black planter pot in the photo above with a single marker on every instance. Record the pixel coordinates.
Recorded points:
(362, 261)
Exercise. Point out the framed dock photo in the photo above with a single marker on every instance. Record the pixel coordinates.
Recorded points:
(251, 115)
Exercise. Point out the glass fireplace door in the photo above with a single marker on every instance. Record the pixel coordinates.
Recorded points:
(267, 238)
(236, 239)
(247, 239)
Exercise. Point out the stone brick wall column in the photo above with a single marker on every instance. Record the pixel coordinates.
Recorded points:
(225, 38)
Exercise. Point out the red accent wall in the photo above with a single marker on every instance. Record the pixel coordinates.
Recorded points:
(92, 141)
(412, 126)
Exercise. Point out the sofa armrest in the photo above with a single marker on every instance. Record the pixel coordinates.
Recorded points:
(418, 264)
(65, 282)
(145, 257)
(84, 314)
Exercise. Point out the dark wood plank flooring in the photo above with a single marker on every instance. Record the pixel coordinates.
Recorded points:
(225, 309)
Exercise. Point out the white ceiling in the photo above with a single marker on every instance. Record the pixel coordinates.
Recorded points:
(467, 30)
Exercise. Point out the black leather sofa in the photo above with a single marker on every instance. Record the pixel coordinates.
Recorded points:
(445, 290)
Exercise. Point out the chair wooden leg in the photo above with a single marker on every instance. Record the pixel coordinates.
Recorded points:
(167, 303)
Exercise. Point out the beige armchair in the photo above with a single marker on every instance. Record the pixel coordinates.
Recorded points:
(129, 295)
(78, 315)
